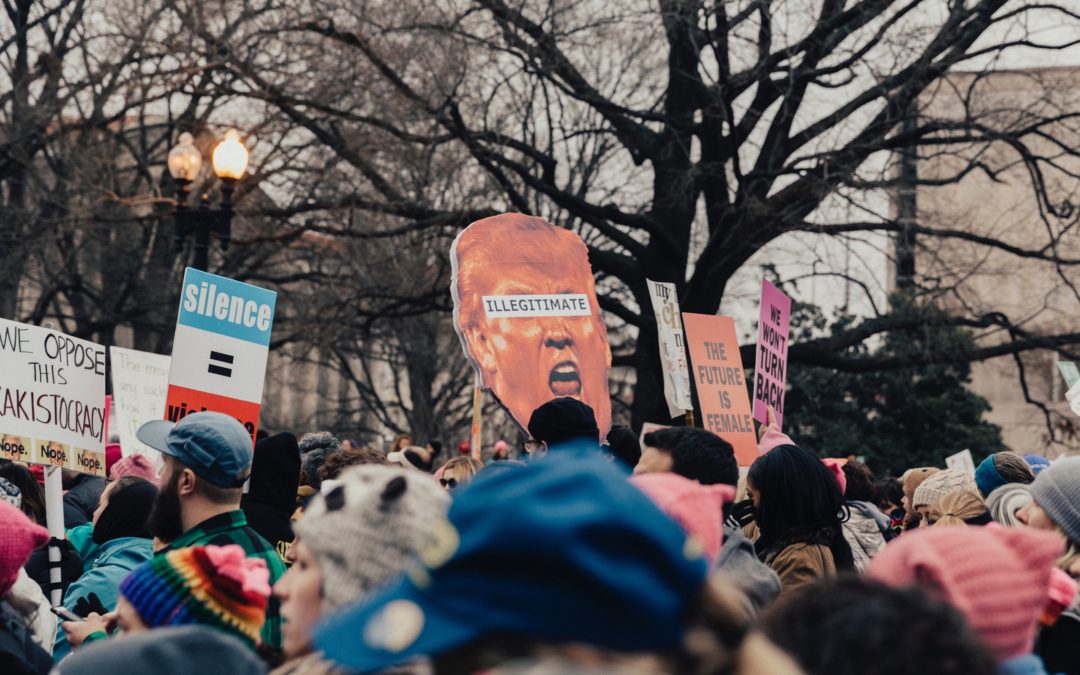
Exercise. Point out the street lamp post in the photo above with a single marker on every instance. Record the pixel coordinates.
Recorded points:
(230, 160)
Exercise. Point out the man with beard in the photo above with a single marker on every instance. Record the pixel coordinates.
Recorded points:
(525, 309)
(207, 457)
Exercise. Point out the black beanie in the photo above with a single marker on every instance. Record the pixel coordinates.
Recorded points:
(563, 419)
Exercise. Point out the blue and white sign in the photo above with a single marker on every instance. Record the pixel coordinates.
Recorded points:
(220, 347)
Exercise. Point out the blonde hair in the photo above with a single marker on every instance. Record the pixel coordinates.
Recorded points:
(956, 508)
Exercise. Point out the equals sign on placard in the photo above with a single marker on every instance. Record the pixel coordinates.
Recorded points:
(220, 369)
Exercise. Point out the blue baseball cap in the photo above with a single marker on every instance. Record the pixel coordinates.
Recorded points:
(213, 445)
(561, 550)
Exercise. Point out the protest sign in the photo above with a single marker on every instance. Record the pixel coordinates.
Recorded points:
(220, 348)
(669, 332)
(961, 461)
(140, 383)
(770, 361)
(1070, 372)
(52, 399)
(721, 382)
(526, 313)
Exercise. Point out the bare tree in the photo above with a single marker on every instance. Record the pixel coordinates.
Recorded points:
(680, 137)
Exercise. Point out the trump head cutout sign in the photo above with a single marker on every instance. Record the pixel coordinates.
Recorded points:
(525, 309)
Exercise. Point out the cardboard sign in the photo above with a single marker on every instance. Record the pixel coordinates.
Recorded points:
(669, 332)
(770, 361)
(140, 383)
(220, 348)
(961, 461)
(721, 382)
(52, 399)
(526, 313)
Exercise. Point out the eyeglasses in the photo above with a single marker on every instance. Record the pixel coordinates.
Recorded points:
(448, 482)
(532, 445)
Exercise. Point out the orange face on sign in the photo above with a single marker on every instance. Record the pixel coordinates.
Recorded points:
(721, 382)
(525, 309)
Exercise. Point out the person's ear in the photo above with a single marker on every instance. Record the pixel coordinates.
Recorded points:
(480, 347)
(186, 485)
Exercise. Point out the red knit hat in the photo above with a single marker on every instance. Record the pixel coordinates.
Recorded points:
(998, 577)
(18, 538)
(697, 508)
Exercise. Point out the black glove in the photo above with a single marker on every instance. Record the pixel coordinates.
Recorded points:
(89, 603)
(742, 514)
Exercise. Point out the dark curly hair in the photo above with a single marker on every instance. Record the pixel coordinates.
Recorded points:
(852, 626)
(860, 483)
(697, 454)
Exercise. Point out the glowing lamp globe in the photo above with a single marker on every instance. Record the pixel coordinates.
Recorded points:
(185, 160)
(230, 157)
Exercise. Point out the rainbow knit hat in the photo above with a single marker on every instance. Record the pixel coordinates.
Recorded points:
(216, 586)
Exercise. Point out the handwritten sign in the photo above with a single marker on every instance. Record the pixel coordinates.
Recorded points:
(669, 332)
(52, 398)
(721, 382)
(140, 383)
(770, 362)
(962, 461)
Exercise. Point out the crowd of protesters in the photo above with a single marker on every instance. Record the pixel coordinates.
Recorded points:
(318, 556)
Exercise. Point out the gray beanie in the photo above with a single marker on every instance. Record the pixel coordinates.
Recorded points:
(1057, 491)
(1005, 501)
(368, 525)
(940, 484)
(314, 449)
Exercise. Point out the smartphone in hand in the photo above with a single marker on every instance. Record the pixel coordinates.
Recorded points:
(65, 614)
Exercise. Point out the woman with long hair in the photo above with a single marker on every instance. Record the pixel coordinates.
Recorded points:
(798, 512)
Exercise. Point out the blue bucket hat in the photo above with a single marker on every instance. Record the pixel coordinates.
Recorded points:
(562, 550)
(213, 445)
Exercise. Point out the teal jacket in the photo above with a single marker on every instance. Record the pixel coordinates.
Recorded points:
(116, 559)
(81, 537)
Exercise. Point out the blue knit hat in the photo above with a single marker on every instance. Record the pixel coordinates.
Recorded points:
(987, 477)
(562, 550)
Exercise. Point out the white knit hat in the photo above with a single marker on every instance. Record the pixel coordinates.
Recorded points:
(940, 484)
(365, 527)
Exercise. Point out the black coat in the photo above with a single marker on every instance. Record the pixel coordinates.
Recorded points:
(19, 654)
(271, 498)
(81, 500)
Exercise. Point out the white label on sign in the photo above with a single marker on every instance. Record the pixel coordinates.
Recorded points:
(218, 363)
(521, 306)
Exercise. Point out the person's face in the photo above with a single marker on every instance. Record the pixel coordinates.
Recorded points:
(300, 593)
(654, 460)
(128, 619)
(1033, 515)
(753, 494)
(165, 520)
(527, 361)
(452, 479)
(924, 513)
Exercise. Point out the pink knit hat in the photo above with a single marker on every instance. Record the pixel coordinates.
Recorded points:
(836, 468)
(698, 508)
(18, 538)
(134, 465)
(998, 577)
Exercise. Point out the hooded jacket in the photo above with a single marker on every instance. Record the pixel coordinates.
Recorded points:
(739, 565)
(116, 559)
(865, 531)
(271, 498)
(18, 651)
